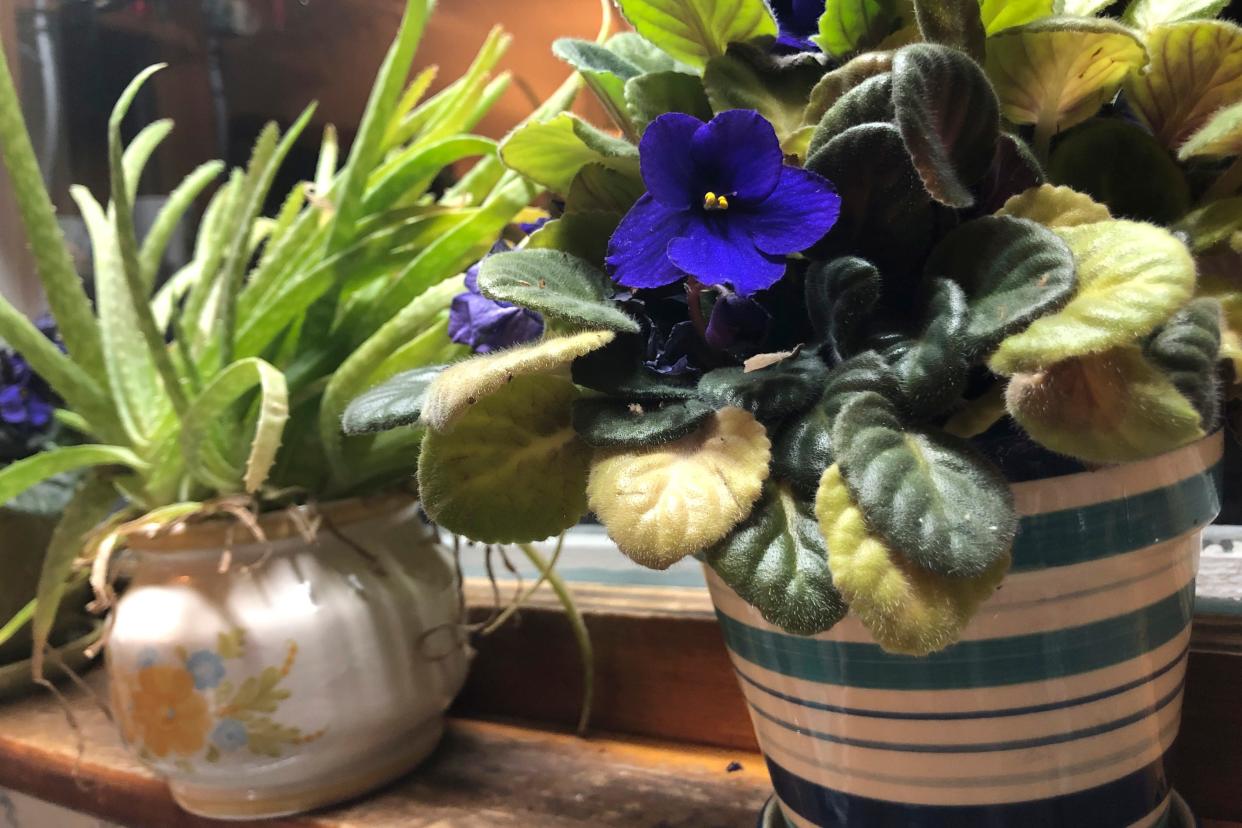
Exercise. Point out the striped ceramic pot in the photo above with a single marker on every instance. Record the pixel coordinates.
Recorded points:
(1056, 709)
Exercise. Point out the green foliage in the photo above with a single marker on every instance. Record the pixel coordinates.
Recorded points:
(694, 31)
(998, 15)
(610, 423)
(956, 23)
(932, 365)
(871, 101)
(854, 25)
(557, 285)
(552, 152)
(747, 77)
(651, 95)
(770, 393)
(396, 402)
(840, 295)
(1147, 14)
(836, 83)
(1187, 349)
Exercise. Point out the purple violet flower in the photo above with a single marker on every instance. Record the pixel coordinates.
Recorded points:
(737, 324)
(26, 402)
(721, 205)
(797, 21)
(485, 324)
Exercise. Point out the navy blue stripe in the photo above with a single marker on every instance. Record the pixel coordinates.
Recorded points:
(981, 747)
(1121, 802)
(968, 714)
(1101, 530)
(989, 662)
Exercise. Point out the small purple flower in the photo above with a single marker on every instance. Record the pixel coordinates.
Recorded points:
(487, 325)
(721, 205)
(21, 406)
(206, 668)
(737, 324)
(529, 227)
(797, 20)
(229, 734)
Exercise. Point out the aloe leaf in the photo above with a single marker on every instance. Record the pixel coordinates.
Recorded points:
(408, 174)
(325, 167)
(209, 250)
(139, 152)
(54, 264)
(169, 218)
(396, 133)
(20, 475)
(214, 403)
(171, 292)
(458, 110)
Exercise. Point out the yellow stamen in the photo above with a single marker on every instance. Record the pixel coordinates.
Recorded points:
(723, 203)
(711, 201)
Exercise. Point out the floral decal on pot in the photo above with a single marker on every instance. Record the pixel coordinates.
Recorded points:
(187, 707)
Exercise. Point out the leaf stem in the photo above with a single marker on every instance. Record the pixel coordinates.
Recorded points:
(18, 621)
(517, 604)
(581, 635)
(1041, 141)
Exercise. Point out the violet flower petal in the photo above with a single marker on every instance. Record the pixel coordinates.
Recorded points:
(719, 251)
(736, 321)
(736, 154)
(666, 164)
(486, 325)
(638, 249)
(802, 208)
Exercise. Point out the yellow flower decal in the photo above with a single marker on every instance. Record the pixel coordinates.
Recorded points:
(167, 711)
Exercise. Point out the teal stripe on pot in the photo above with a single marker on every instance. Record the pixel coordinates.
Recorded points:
(1088, 533)
(989, 662)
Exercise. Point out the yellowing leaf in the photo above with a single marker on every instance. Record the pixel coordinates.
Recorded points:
(1196, 69)
(1005, 14)
(1220, 136)
(665, 502)
(1131, 277)
(1113, 407)
(908, 609)
(1146, 14)
(466, 383)
(1059, 72)
(1055, 207)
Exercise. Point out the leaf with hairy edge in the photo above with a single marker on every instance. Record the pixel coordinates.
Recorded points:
(999, 15)
(94, 500)
(21, 475)
(1212, 224)
(617, 369)
(611, 423)
(1220, 277)
(854, 25)
(840, 295)
(926, 493)
(836, 83)
(749, 77)
(886, 213)
(1014, 170)
(1131, 278)
(908, 609)
(1055, 207)
(512, 470)
(649, 96)
(169, 218)
(1057, 73)
(234, 383)
(1099, 158)
(949, 119)
(776, 562)
(638, 50)
(1196, 69)
(932, 367)
(956, 23)
(555, 284)
(1220, 136)
(1013, 271)
(552, 152)
(396, 402)
(1186, 349)
(788, 387)
(467, 383)
(1082, 8)
(1147, 14)
(869, 102)
(605, 73)
(1109, 407)
(694, 31)
(663, 503)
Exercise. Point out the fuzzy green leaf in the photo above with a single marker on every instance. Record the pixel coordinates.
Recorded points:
(949, 119)
(1013, 271)
(695, 31)
(512, 470)
(1055, 207)
(1212, 224)
(1220, 136)
(598, 188)
(617, 370)
(788, 387)
(854, 25)
(605, 72)
(1187, 350)
(1147, 14)
(932, 367)
(1131, 278)
(649, 96)
(956, 23)
(870, 102)
(999, 15)
(836, 83)
(396, 402)
(776, 562)
(926, 493)
(555, 284)
(611, 423)
(749, 77)
(552, 152)
(840, 295)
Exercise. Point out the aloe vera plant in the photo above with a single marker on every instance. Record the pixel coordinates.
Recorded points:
(824, 299)
(230, 378)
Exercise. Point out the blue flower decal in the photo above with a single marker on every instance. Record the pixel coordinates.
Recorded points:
(148, 657)
(229, 734)
(797, 20)
(721, 206)
(487, 325)
(206, 668)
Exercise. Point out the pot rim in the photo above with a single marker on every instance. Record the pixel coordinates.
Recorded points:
(218, 531)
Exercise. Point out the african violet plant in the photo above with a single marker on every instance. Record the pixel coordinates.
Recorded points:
(227, 382)
(817, 307)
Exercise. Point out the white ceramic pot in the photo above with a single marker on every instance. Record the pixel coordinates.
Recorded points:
(307, 673)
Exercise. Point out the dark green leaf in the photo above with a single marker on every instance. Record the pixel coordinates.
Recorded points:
(1014, 170)
(394, 403)
(869, 102)
(854, 25)
(650, 96)
(948, 116)
(1013, 271)
(556, 285)
(840, 295)
(583, 234)
(604, 71)
(597, 187)
(1187, 349)
(787, 387)
(955, 23)
(611, 423)
(841, 80)
(617, 369)
(932, 367)
(748, 77)
(776, 561)
(638, 51)
(1124, 168)
(929, 495)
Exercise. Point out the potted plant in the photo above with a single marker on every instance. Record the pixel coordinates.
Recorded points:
(291, 632)
(942, 430)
